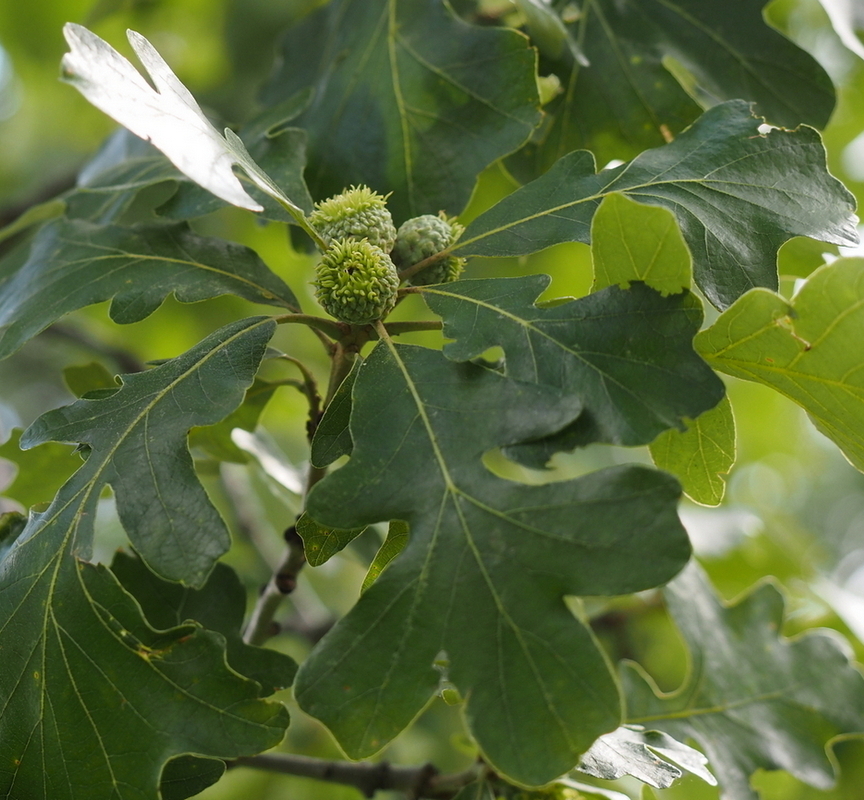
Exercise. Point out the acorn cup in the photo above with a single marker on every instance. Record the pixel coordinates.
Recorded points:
(422, 237)
(356, 213)
(356, 282)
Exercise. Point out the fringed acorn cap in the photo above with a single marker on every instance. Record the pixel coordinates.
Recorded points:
(356, 282)
(422, 237)
(357, 213)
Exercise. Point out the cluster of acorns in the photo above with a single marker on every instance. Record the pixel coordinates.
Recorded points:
(357, 279)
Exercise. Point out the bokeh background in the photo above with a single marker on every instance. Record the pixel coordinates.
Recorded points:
(794, 507)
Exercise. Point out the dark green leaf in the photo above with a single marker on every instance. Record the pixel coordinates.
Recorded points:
(186, 776)
(73, 263)
(33, 216)
(333, 436)
(89, 688)
(807, 348)
(219, 605)
(627, 97)
(626, 354)
(737, 196)
(161, 504)
(409, 99)
(753, 699)
(109, 184)
(486, 568)
(321, 543)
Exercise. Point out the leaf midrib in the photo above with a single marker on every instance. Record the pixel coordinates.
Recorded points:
(455, 492)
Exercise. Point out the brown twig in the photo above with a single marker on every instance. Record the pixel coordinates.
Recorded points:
(396, 328)
(422, 781)
(283, 581)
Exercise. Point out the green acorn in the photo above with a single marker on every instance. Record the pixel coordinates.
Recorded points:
(357, 213)
(424, 236)
(356, 281)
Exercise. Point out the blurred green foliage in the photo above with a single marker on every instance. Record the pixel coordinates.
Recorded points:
(794, 507)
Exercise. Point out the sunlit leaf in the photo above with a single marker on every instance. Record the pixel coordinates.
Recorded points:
(484, 573)
(652, 757)
(397, 538)
(753, 699)
(83, 379)
(737, 196)
(804, 348)
(409, 99)
(39, 472)
(634, 242)
(700, 456)
(73, 263)
(168, 116)
(321, 543)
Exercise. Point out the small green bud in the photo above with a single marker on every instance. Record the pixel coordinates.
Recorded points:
(357, 213)
(356, 282)
(422, 237)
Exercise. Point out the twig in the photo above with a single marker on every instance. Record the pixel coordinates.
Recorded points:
(308, 387)
(283, 581)
(335, 330)
(395, 328)
(416, 782)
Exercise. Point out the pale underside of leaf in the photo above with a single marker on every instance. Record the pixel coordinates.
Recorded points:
(168, 116)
